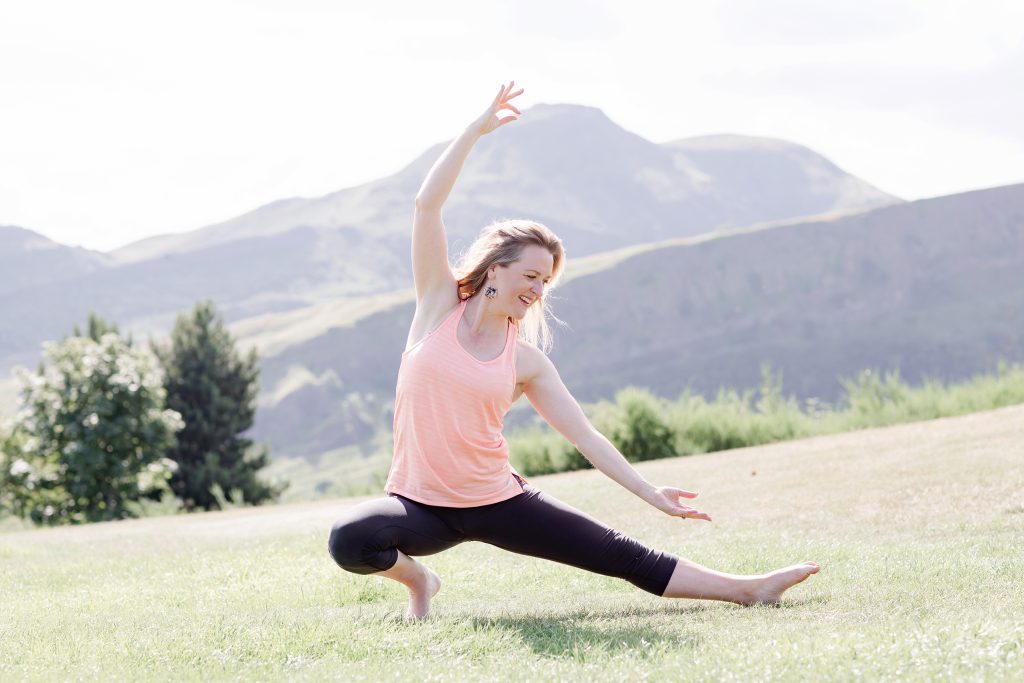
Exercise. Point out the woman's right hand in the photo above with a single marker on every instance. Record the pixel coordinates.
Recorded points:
(490, 121)
(668, 500)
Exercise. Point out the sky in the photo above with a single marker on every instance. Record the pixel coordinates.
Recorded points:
(123, 120)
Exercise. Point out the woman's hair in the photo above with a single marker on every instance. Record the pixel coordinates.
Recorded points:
(502, 243)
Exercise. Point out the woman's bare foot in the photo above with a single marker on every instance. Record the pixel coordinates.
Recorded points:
(769, 589)
(420, 594)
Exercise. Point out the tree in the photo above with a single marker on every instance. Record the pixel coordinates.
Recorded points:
(97, 327)
(214, 389)
(91, 433)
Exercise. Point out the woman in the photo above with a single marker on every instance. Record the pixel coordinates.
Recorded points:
(472, 351)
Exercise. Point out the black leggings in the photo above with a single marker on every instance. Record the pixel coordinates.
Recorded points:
(368, 537)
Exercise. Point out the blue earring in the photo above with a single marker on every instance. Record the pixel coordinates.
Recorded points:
(490, 292)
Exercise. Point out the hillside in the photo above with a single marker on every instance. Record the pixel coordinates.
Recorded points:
(919, 529)
(933, 287)
(601, 186)
(574, 167)
(28, 260)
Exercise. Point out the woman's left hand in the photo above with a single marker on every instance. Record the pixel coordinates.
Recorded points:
(492, 119)
(667, 499)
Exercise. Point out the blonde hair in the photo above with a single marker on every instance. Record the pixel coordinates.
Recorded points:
(502, 243)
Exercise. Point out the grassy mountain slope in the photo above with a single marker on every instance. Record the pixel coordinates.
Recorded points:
(599, 185)
(570, 166)
(931, 287)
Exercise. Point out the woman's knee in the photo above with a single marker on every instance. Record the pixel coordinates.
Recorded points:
(351, 545)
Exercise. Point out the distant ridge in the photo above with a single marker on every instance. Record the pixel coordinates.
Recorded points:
(570, 164)
(598, 185)
(28, 259)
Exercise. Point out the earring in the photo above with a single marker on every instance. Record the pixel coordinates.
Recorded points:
(490, 292)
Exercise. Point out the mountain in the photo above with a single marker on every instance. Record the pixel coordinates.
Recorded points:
(758, 171)
(600, 186)
(27, 259)
(933, 287)
(573, 167)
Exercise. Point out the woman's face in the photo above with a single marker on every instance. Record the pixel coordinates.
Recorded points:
(521, 284)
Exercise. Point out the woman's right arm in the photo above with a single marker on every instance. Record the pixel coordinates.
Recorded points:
(432, 273)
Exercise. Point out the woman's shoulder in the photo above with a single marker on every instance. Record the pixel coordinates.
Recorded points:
(529, 361)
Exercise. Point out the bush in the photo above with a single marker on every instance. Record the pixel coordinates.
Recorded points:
(640, 429)
(91, 434)
(539, 450)
(643, 426)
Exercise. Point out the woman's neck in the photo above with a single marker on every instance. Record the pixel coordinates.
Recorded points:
(482, 318)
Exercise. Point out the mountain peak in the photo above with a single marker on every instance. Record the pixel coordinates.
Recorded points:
(12, 236)
(543, 111)
(733, 142)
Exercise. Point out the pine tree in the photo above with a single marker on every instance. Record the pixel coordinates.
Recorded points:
(214, 389)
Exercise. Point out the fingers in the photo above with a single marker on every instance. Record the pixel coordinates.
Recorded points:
(498, 97)
(687, 512)
(505, 94)
(686, 494)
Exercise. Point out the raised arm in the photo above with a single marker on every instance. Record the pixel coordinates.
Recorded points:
(431, 271)
(548, 394)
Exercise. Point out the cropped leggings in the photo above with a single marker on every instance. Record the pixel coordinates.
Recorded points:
(368, 537)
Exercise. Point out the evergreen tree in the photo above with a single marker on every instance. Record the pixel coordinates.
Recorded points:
(214, 388)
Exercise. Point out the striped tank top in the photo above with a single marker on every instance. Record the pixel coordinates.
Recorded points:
(449, 410)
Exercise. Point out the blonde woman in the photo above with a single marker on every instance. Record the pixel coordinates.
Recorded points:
(477, 343)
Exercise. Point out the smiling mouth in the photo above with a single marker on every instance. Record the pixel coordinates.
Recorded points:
(526, 301)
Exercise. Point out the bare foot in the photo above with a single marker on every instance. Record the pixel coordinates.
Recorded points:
(421, 593)
(770, 588)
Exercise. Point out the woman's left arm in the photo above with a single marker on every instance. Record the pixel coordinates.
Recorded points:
(550, 397)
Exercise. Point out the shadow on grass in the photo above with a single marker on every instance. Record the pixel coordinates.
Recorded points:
(636, 630)
(579, 634)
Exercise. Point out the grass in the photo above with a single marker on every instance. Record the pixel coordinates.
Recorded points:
(919, 527)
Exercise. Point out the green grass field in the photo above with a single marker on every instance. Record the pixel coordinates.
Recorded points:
(919, 528)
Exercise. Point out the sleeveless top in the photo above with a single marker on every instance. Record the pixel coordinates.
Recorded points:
(449, 411)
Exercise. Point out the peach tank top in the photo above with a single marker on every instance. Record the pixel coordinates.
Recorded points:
(449, 411)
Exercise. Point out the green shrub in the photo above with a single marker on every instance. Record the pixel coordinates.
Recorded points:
(640, 429)
(538, 450)
(91, 435)
(643, 426)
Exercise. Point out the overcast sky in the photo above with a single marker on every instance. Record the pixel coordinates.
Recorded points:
(121, 120)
